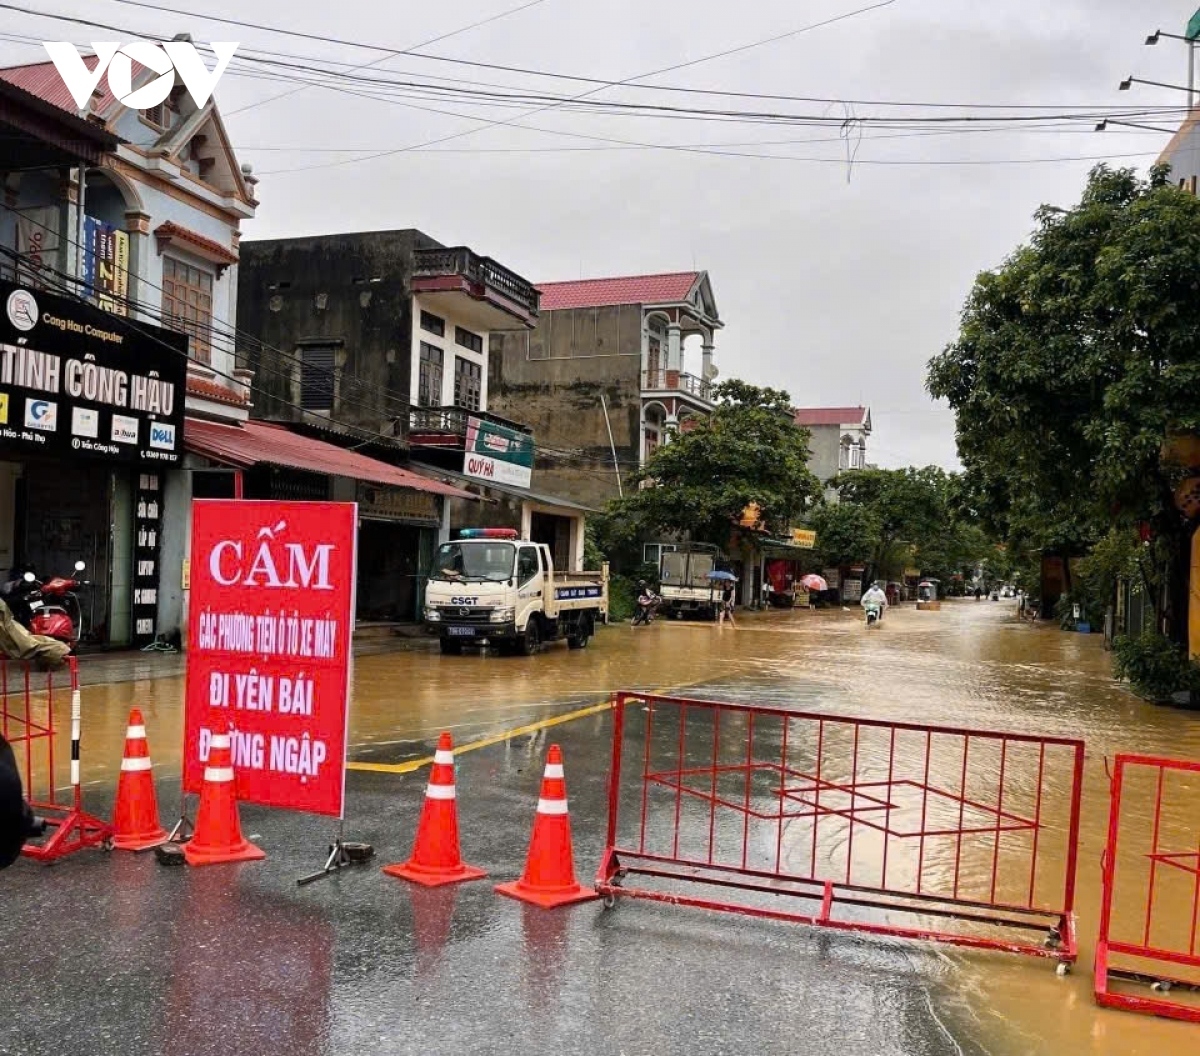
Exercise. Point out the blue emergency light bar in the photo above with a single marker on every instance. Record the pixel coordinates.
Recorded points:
(488, 533)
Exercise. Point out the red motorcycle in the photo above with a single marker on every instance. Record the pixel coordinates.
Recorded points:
(49, 608)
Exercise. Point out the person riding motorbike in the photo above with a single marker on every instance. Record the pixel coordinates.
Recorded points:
(647, 603)
(875, 598)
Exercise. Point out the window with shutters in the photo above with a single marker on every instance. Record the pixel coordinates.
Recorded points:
(316, 377)
(468, 383)
(187, 305)
(429, 383)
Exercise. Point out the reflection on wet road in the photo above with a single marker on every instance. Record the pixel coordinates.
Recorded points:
(971, 665)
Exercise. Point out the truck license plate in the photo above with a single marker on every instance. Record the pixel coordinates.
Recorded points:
(461, 632)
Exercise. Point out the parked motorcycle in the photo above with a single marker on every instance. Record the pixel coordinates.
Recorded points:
(50, 608)
(647, 606)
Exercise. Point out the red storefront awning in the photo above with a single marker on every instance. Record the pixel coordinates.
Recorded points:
(246, 445)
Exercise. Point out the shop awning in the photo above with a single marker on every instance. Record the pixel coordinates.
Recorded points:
(781, 548)
(246, 445)
(508, 489)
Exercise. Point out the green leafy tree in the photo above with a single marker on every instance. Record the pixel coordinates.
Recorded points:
(748, 450)
(1075, 362)
(907, 507)
(846, 534)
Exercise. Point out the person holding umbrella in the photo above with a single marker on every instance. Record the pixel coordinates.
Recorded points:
(725, 608)
(814, 584)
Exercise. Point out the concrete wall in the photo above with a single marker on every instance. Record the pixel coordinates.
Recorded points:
(823, 447)
(352, 289)
(557, 379)
(1183, 155)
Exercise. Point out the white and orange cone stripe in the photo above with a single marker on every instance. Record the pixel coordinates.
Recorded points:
(553, 799)
(443, 768)
(219, 771)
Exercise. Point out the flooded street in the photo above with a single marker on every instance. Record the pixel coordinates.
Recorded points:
(971, 665)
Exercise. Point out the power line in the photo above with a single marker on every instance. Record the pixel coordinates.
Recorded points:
(582, 79)
(226, 338)
(594, 90)
(393, 54)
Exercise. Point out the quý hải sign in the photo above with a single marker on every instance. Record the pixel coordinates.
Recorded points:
(270, 618)
(497, 454)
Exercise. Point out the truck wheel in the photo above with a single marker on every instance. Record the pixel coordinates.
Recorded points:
(531, 641)
(583, 634)
(450, 648)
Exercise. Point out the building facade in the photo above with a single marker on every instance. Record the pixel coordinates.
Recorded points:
(380, 340)
(838, 441)
(146, 232)
(613, 367)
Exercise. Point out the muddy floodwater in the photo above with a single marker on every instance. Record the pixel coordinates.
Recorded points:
(971, 665)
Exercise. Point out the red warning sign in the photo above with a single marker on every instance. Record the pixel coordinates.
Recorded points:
(270, 620)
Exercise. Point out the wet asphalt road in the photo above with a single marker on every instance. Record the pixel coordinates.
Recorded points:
(116, 954)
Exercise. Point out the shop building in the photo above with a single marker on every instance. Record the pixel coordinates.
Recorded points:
(381, 340)
(145, 229)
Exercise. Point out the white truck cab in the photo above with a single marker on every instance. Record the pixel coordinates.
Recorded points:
(491, 586)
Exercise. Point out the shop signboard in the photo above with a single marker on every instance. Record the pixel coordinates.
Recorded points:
(270, 616)
(804, 538)
(833, 577)
(147, 525)
(399, 504)
(78, 381)
(498, 454)
(106, 264)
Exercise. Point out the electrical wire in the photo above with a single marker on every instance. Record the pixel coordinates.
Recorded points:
(424, 44)
(226, 339)
(579, 78)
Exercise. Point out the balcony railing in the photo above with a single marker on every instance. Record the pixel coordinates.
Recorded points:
(482, 271)
(675, 381)
(450, 423)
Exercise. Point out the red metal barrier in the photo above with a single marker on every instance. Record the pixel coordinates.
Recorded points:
(922, 832)
(27, 702)
(1150, 911)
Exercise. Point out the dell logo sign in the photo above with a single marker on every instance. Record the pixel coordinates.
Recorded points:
(162, 436)
(168, 59)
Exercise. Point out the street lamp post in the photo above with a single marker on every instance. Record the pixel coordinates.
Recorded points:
(1157, 35)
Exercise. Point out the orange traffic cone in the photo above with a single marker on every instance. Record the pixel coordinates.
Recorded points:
(135, 816)
(549, 878)
(436, 858)
(218, 836)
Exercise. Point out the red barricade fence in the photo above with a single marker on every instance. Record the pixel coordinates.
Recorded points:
(1150, 909)
(924, 832)
(27, 701)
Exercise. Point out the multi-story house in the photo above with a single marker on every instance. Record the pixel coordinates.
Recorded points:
(145, 229)
(380, 340)
(611, 369)
(838, 441)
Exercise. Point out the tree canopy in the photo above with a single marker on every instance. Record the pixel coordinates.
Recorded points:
(748, 450)
(892, 519)
(1074, 363)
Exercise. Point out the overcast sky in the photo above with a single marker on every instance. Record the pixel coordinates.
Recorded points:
(836, 283)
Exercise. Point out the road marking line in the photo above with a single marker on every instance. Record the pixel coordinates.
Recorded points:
(416, 764)
(412, 765)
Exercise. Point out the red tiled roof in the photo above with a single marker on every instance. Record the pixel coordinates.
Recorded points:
(213, 390)
(668, 288)
(829, 415)
(43, 80)
(276, 445)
